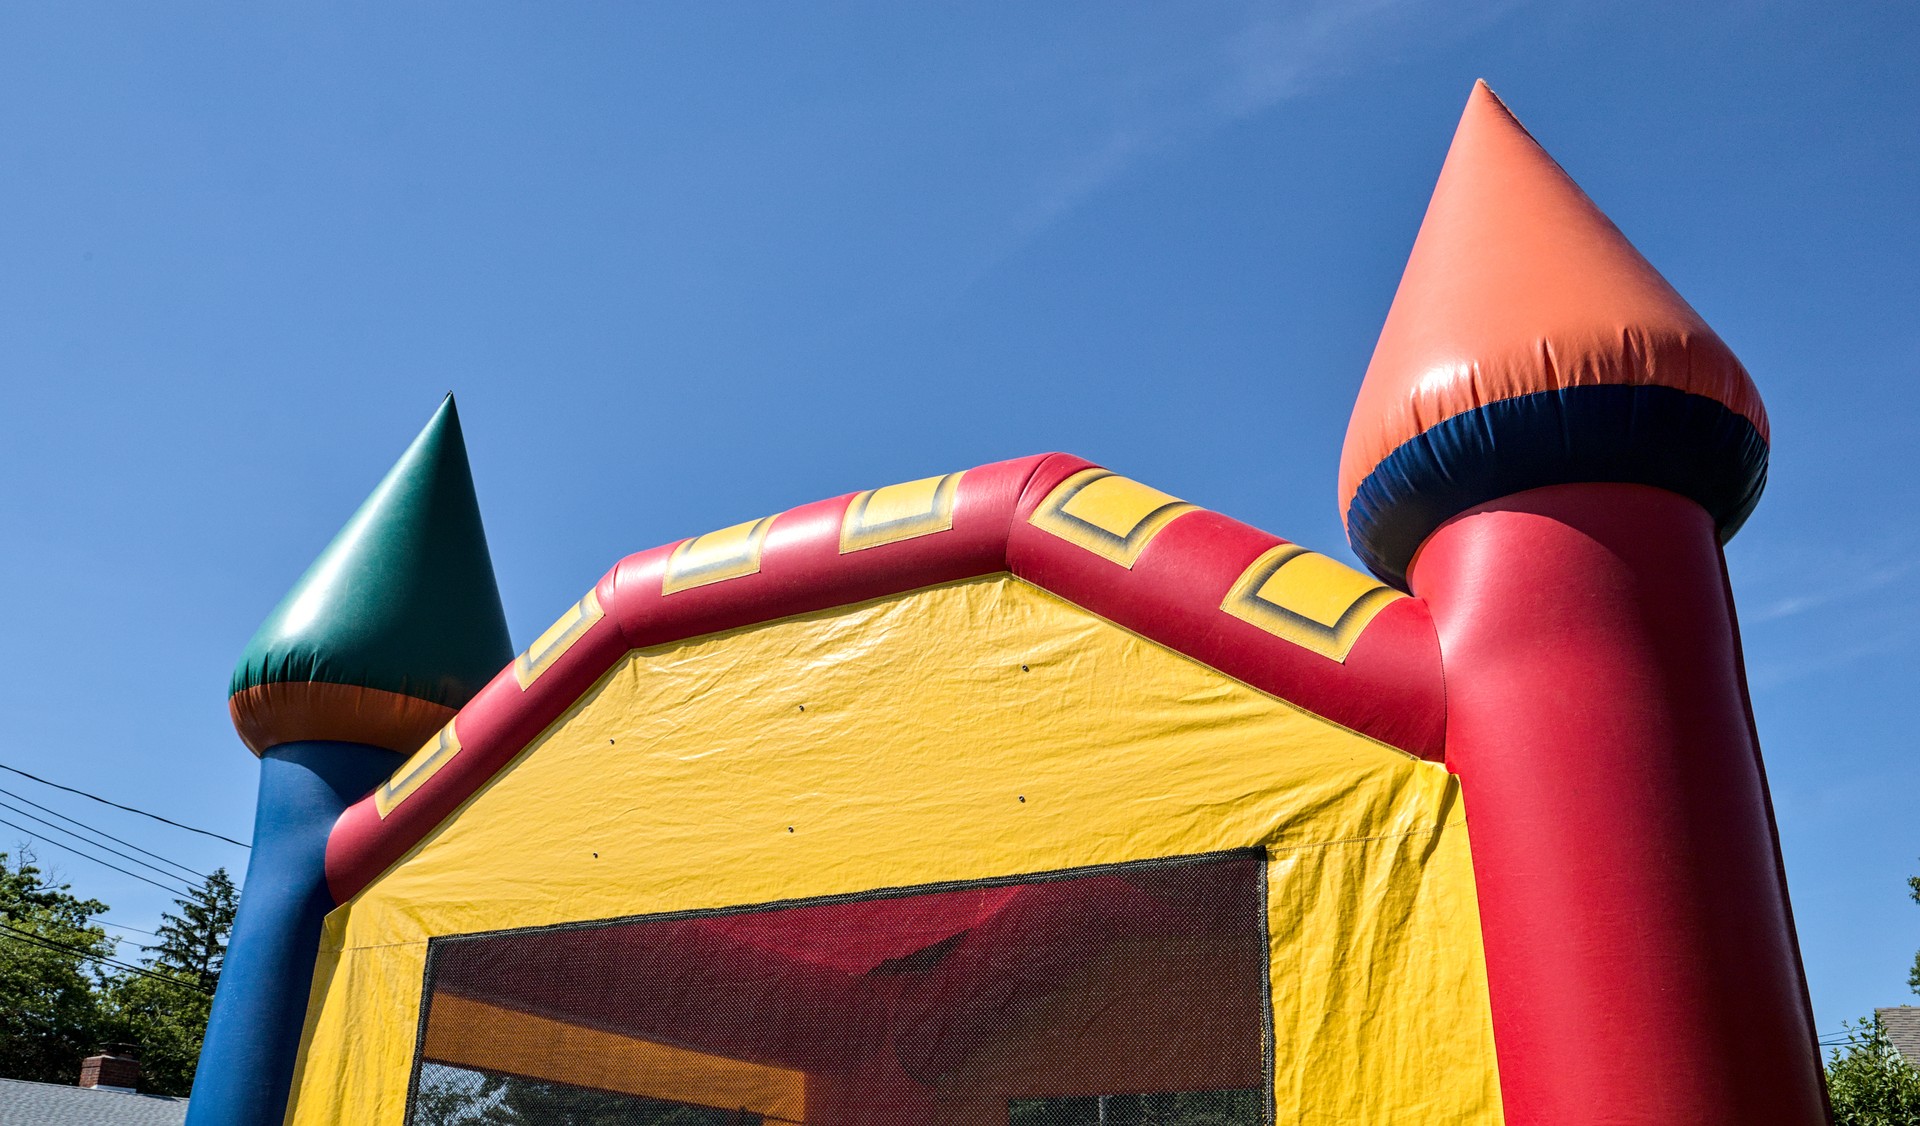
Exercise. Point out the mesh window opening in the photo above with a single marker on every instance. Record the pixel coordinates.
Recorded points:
(1128, 995)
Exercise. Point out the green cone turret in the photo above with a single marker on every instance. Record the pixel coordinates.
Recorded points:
(397, 623)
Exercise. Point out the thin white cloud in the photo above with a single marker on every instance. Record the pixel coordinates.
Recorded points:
(1856, 584)
(1278, 52)
(1285, 50)
(1780, 581)
(1816, 609)
(1770, 675)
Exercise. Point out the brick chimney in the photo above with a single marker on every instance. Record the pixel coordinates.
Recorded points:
(116, 1068)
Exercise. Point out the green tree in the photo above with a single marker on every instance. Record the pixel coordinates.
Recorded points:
(167, 1019)
(1913, 975)
(50, 1013)
(1869, 1083)
(193, 939)
(164, 1020)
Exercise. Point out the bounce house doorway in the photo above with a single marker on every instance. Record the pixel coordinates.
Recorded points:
(1126, 995)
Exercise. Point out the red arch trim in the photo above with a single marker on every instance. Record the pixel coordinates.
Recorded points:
(1388, 686)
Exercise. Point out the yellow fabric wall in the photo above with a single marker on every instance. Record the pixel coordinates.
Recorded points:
(889, 745)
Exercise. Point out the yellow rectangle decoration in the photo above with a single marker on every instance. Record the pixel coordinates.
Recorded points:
(560, 636)
(1308, 599)
(899, 512)
(1110, 515)
(420, 766)
(729, 553)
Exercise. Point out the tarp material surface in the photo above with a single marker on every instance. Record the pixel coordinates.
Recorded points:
(974, 731)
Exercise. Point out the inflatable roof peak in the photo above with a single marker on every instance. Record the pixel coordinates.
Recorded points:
(397, 623)
(1526, 321)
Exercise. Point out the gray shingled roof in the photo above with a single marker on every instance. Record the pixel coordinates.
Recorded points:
(1903, 1028)
(51, 1104)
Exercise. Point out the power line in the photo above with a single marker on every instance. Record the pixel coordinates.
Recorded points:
(95, 859)
(96, 832)
(125, 927)
(53, 943)
(106, 847)
(128, 808)
(46, 943)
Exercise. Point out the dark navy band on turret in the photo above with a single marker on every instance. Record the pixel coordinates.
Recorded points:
(1643, 435)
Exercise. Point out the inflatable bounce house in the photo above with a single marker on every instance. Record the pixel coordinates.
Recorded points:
(1032, 795)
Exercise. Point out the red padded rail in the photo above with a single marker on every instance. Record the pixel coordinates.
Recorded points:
(1389, 686)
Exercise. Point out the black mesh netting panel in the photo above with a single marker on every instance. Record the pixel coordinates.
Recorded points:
(1121, 996)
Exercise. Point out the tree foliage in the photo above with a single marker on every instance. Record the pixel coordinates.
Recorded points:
(50, 1015)
(193, 939)
(1869, 1083)
(61, 1001)
(169, 1021)
(457, 1096)
(1913, 975)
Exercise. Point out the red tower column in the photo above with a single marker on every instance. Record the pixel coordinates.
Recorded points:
(1549, 448)
(1640, 955)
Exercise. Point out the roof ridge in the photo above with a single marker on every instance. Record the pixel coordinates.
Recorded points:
(1232, 597)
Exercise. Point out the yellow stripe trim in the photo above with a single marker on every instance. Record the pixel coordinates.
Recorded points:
(474, 1034)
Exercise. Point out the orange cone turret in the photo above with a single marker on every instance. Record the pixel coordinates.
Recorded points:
(1524, 309)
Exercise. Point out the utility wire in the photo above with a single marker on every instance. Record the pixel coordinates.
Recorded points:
(94, 831)
(128, 808)
(125, 927)
(42, 940)
(194, 883)
(46, 943)
(95, 859)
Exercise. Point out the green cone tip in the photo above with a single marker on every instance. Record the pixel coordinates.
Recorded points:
(403, 600)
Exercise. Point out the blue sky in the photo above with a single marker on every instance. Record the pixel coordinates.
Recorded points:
(688, 265)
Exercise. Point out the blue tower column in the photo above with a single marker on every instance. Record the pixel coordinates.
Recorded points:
(246, 1064)
(395, 626)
